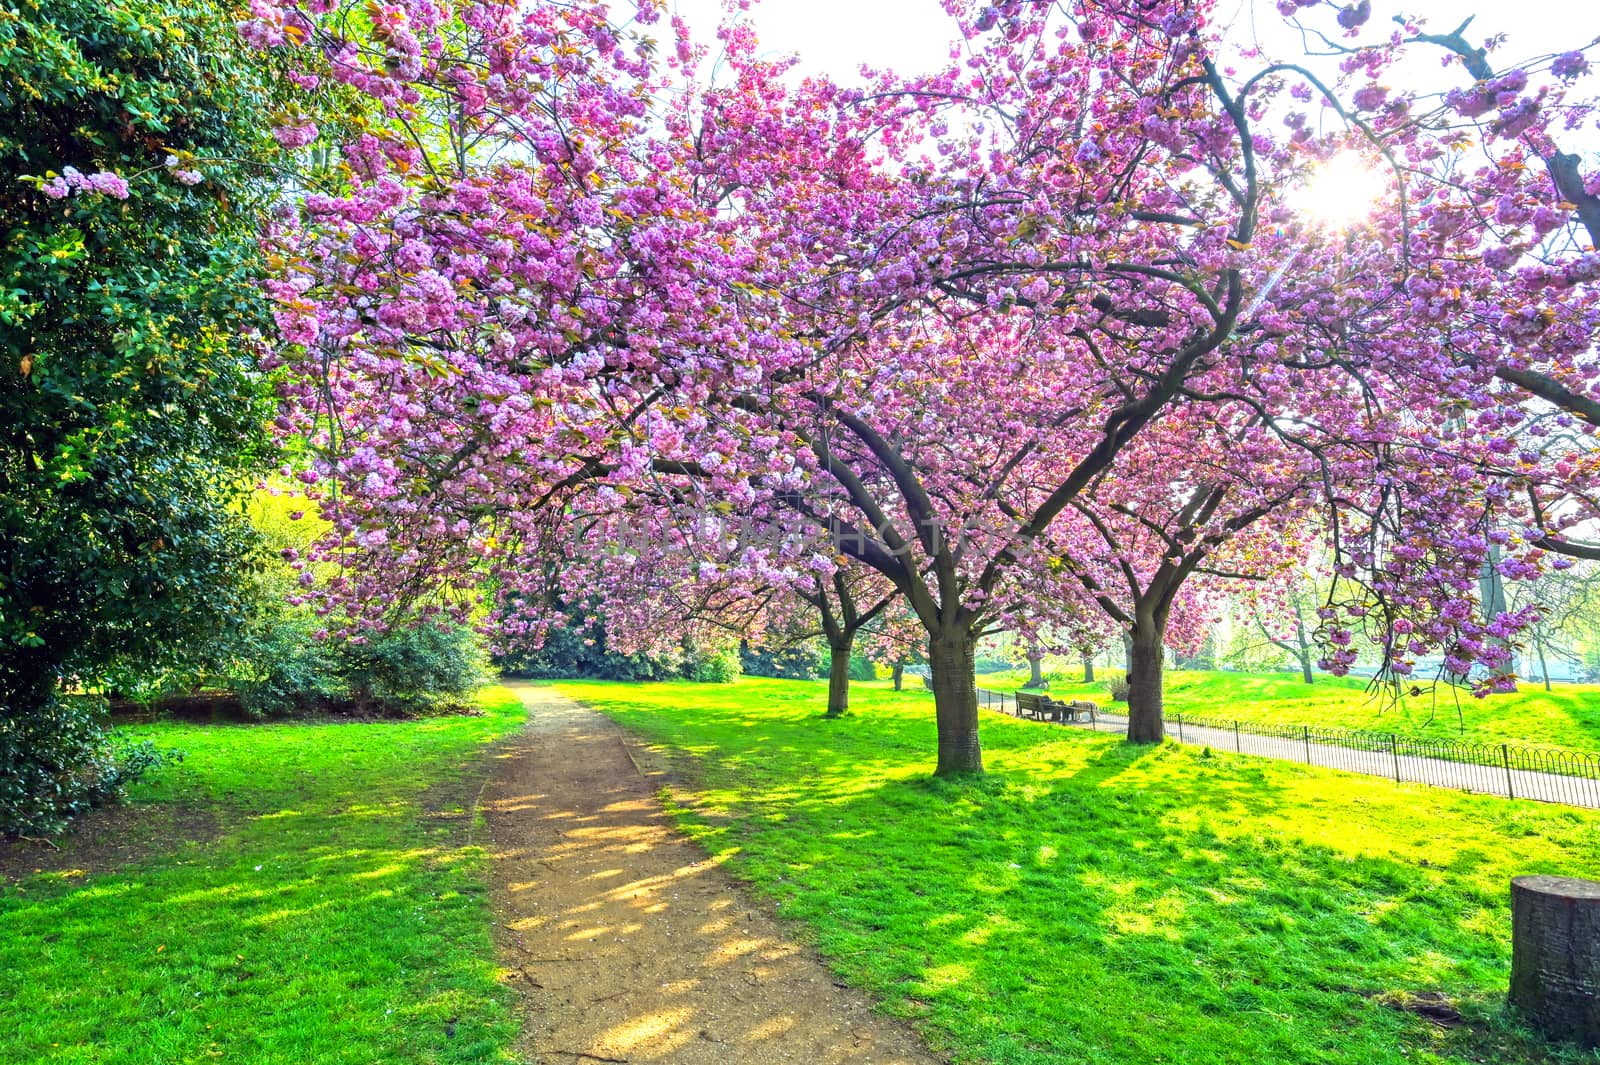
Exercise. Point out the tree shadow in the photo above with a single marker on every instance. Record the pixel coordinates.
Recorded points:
(1091, 900)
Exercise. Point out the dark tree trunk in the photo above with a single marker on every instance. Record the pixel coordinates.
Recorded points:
(1145, 721)
(1555, 955)
(955, 700)
(1035, 678)
(899, 676)
(839, 676)
(1088, 669)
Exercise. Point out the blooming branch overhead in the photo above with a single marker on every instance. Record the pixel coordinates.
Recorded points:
(1046, 339)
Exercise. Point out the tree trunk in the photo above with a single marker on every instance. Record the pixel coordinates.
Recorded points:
(899, 676)
(955, 701)
(1088, 669)
(1127, 652)
(1303, 655)
(1544, 668)
(1555, 955)
(1145, 721)
(1035, 678)
(839, 676)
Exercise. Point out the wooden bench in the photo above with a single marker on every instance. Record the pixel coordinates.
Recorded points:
(1043, 708)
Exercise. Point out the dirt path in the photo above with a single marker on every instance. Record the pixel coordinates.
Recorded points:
(629, 943)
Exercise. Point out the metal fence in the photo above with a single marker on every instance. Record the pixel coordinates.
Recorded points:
(1547, 774)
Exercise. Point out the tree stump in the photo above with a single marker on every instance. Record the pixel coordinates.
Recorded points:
(1555, 955)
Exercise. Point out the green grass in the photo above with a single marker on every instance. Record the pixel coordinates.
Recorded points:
(1567, 716)
(339, 915)
(1091, 902)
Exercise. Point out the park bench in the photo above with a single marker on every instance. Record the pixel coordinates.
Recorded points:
(1044, 708)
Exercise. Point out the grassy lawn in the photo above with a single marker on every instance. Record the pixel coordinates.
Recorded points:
(337, 914)
(1091, 902)
(1568, 716)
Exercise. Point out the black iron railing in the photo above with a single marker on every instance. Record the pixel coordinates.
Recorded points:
(1548, 774)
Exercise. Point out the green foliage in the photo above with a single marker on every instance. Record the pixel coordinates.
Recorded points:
(1246, 649)
(54, 763)
(59, 761)
(313, 893)
(570, 653)
(412, 670)
(801, 661)
(578, 650)
(128, 412)
(712, 665)
(281, 668)
(861, 668)
(1089, 901)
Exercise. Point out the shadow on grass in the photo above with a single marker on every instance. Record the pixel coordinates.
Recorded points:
(1097, 902)
(337, 915)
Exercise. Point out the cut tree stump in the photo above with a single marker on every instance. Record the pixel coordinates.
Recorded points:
(1555, 955)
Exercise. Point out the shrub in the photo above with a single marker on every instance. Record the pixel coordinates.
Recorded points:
(803, 661)
(287, 669)
(1119, 691)
(713, 665)
(413, 670)
(576, 651)
(130, 761)
(283, 667)
(59, 761)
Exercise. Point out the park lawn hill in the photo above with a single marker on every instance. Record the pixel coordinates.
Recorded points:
(1566, 716)
(332, 909)
(1091, 901)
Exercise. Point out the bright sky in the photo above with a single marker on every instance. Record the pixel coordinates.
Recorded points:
(837, 36)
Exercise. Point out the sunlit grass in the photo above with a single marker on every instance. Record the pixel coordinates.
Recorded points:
(1092, 902)
(339, 916)
(1566, 716)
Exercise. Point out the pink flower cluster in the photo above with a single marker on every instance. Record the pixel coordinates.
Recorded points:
(1081, 371)
(101, 182)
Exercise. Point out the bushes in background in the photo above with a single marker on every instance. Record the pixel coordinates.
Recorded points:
(286, 669)
(861, 668)
(576, 650)
(712, 665)
(803, 661)
(412, 670)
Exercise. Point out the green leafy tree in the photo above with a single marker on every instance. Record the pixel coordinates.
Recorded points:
(129, 413)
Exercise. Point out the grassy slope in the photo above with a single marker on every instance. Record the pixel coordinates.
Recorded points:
(1091, 902)
(339, 917)
(1568, 716)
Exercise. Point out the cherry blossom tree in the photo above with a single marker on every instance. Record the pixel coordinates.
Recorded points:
(1041, 339)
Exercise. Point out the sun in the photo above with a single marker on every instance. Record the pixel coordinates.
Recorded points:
(1340, 193)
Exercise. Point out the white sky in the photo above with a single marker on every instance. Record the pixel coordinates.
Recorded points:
(836, 37)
